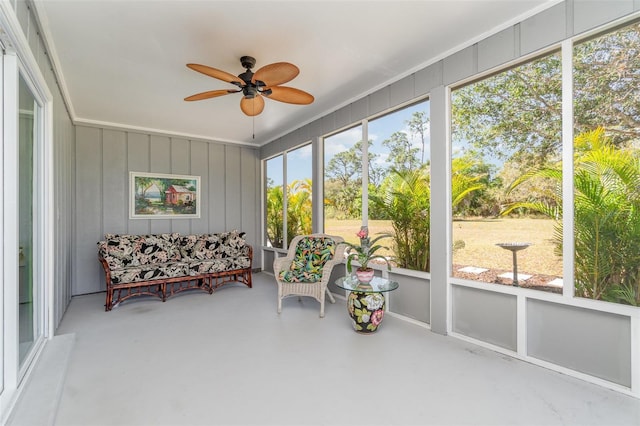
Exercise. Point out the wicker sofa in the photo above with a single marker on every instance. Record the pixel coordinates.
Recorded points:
(165, 264)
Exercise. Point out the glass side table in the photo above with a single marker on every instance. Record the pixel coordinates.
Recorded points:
(366, 302)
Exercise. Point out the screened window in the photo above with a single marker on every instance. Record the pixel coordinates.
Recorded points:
(275, 202)
(298, 200)
(399, 184)
(607, 166)
(343, 184)
(506, 177)
(299, 191)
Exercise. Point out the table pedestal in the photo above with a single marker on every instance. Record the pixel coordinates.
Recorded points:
(366, 311)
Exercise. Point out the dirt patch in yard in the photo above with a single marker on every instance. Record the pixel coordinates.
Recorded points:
(535, 282)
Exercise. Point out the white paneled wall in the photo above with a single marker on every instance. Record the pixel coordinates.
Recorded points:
(104, 157)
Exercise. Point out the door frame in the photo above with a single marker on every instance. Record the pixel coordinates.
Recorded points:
(18, 59)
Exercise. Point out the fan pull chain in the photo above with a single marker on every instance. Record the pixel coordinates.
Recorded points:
(253, 129)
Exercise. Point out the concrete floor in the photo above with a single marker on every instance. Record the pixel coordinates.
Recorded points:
(230, 359)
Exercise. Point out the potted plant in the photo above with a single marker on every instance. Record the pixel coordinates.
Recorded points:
(364, 253)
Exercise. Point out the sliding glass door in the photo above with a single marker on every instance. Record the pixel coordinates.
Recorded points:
(24, 221)
(30, 308)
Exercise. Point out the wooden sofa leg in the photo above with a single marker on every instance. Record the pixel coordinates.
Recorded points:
(109, 300)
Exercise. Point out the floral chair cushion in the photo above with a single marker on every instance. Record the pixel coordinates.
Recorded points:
(309, 259)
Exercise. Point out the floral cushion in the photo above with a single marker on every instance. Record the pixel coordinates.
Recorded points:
(135, 258)
(149, 272)
(213, 246)
(121, 251)
(235, 245)
(205, 266)
(204, 246)
(311, 255)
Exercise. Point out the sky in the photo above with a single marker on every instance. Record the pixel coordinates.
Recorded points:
(299, 160)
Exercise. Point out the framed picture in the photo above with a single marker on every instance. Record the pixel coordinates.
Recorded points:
(161, 196)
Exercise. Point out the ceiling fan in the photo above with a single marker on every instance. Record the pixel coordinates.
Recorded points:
(265, 82)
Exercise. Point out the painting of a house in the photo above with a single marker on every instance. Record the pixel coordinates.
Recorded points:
(179, 195)
(161, 196)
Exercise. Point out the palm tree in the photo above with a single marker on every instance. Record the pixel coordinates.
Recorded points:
(298, 211)
(406, 200)
(606, 216)
(275, 219)
(299, 208)
(464, 179)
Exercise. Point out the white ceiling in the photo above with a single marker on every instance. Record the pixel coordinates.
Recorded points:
(123, 62)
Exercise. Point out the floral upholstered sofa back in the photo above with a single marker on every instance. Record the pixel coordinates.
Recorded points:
(121, 251)
(215, 252)
(213, 246)
(132, 258)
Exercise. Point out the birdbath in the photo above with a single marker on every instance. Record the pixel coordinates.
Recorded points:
(514, 247)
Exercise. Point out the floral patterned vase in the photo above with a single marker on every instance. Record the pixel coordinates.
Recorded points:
(366, 311)
(365, 275)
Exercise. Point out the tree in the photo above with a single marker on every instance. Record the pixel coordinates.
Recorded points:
(299, 208)
(405, 199)
(482, 200)
(606, 216)
(275, 215)
(514, 113)
(143, 184)
(344, 201)
(402, 154)
(465, 180)
(419, 126)
(517, 113)
(537, 188)
(298, 211)
(343, 184)
(346, 166)
(607, 85)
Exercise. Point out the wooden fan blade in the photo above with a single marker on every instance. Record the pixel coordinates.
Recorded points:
(209, 94)
(290, 95)
(275, 74)
(252, 106)
(215, 73)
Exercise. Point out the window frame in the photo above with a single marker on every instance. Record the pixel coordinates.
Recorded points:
(364, 124)
(284, 154)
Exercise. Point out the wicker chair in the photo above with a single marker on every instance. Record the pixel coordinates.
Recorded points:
(306, 269)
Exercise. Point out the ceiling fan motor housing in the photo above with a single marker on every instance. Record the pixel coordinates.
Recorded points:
(248, 62)
(249, 91)
(251, 88)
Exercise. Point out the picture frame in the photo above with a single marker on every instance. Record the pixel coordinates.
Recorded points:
(163, 196)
